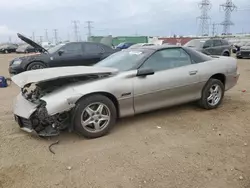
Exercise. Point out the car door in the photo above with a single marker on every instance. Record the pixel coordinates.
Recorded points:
(175, 81)
(218, 47)
(209, 47)
(68, 55)
(92, 53)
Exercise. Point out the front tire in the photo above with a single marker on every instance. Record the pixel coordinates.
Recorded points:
(94, 116)
(36, 65)
(212, 94)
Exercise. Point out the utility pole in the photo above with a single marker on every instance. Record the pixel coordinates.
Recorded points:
(76, 27)
(214, 29)
(41, 38)
(56, 35)
(46, 35)
(89, 26)
(33, 36)
(228, 7)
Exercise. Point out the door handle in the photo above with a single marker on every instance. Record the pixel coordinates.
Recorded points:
(193, 72)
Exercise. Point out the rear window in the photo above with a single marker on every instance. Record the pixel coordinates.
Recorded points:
(195, 43)
(196, 56)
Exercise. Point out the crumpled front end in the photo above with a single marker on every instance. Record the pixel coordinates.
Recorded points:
(45, 107)
(34, 118)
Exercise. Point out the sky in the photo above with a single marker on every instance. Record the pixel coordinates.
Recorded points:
(112, 17)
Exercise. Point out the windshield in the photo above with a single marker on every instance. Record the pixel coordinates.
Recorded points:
(195, 43)
(123, 60)
(121, 45)
(55, 48)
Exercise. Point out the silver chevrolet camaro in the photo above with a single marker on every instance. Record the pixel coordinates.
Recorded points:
(89, 100)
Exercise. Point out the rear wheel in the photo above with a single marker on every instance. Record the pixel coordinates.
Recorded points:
(226, 54)
(36, 65)
(212, 94)
(94, 116)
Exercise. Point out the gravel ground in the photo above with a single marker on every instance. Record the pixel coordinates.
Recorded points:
(180, 147)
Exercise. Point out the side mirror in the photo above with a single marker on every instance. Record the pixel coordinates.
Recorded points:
(60, 52)
(145, 72)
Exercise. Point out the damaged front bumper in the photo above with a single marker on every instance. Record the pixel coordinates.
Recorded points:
(34, 118)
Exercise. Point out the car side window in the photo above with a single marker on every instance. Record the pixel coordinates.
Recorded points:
(224, 42)
(217, 43)
(72, 48)
(92, 48)
(167, 59)
(208, 44)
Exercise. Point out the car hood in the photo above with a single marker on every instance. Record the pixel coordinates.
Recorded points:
(48, 74)
(31, 42)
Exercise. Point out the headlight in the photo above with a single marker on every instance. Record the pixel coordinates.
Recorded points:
(17, 62)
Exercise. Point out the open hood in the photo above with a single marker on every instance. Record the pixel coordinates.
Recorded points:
(47, 74)
(31, 42)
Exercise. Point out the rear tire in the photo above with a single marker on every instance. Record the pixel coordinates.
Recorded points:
(36, 65)
(212, 94)
(226, 54)
(94, 116)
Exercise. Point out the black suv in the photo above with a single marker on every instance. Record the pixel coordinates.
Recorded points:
(66, 54)
(213, 46)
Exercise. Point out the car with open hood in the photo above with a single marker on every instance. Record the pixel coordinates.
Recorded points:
(244, 51)
(8, 48)
(212, 46)
(64, 54)
(89, 99)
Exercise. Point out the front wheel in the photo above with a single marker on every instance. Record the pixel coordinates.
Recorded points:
(94, 116)
(212, 94)
(36, 65)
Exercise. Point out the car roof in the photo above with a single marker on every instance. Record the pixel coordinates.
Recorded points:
(157, 47)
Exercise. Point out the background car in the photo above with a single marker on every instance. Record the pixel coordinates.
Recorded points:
(26, 48)
(89, 100)
(124, 45)
(214, 46)
(244, 51)
(140, 45)
(8, 48)
(238, 45)
(65, 54)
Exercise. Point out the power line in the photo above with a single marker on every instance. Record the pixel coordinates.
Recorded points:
(89, 26)
(205, 6)
(76, 27)
(228, 7)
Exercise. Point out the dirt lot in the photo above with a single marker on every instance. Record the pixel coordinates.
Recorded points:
(181, 147)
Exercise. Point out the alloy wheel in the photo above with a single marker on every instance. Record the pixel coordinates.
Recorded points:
(95, 117)
(215, 95)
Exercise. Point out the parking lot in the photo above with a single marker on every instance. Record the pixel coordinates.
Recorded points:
(180, 147)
